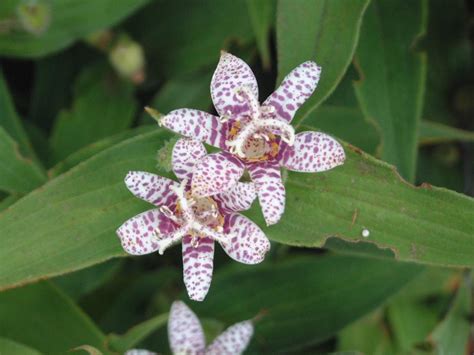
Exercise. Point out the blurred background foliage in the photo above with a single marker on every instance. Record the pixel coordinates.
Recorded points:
(397, 83)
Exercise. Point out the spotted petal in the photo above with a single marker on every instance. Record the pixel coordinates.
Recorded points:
(150, 187)
(216, 173)
(313, 152)
(198, 266)
(237, 198)
(140, 352)
(186, 153)
(196, 124)
(234, 340)
(294, 90)
(138, 234)
(248, 244)
(185, 333)
(231, 74)
(270, 190)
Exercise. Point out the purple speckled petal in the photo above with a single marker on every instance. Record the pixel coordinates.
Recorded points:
(294, 90)
(237, 198)
(216, 173)
(197, 266)
(233, 341)
(139, 352)
(231, 74)
(138, 234)
(270, 190)
(248, 244)
(185, 333)
(196, 124)
(313, 152)
(150, 187)
(186, 153)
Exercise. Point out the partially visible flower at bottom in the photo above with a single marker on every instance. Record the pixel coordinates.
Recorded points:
(195, 221)
(186, 336)
(140, 352)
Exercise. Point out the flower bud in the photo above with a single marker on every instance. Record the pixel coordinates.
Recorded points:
(128, 59)
(34, 16)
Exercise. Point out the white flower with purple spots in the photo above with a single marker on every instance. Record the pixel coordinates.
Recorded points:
(196, 221)
(186, 336)
(255, 137)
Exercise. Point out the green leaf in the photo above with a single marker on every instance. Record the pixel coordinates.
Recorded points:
(432, 133)
(392, 78)
(10, 120)
(325, 31)
(18, 174)
(190, 91)
(346, 123)
(70, 20)
(179, 47)
(136, 334)
(452, 334)
(327, 293)
(103, 106)
(93, 149)
(8, 346)
(57, 324)
(85, 281)
(8, 201)
(262, 15)
(72, 220)
(367, 335)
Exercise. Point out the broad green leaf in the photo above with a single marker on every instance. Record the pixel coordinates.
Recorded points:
(8, 346)
(262, 15)
(349, 124)
(10, 120)
(71, 221)
(188, 91)
(93, 149)
(103, 106)
(392, 77)
(452, 334)
(184, 36)
(367, 335)
(325, 31)
(18, 174)
(346, 123)
(8, 200)
(432, 133)
(40, 316)
(85, 281)
(327, 293)
(70, 20)
(136, 334)
(52, 87)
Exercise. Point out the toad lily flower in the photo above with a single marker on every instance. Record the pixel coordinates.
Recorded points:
(186, 336)
(194, 220)
(255, 137)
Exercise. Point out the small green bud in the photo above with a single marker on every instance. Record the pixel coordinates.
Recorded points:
(128, 59)
(34, 16)
(157, 116)
(164, 155)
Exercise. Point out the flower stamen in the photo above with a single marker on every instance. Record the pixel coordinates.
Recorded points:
(190, 223)
(259, 126)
